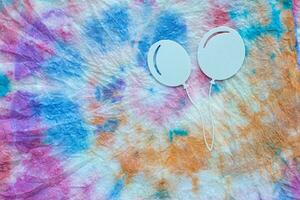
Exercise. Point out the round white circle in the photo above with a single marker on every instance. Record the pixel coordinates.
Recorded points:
(169, 63)
(221, 53)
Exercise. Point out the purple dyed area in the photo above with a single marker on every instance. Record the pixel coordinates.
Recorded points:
(110, 92)
(27, 59)
(290, 184)
(26, 125)
(29, 54)
(37, 29)
(295, 181)
(41, 175)
(42, 178)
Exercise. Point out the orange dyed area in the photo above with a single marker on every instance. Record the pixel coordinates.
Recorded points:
(138, 128)
(122, 119)
(162, 184)
(262, 10)
(104, 139)
(186, 155)
(98, 120)
(130, 163)
(195, 183)
(264, 132)
(274, 127)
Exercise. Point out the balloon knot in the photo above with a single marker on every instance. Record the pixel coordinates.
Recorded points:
(185, 86)
(212, 82)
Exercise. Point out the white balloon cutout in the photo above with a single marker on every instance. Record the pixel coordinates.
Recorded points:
(221, 53)
(169, 63)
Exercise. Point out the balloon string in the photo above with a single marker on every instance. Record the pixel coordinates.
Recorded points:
(185, 86)
(212, 82)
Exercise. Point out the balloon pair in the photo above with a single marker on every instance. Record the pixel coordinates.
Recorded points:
(221, 54)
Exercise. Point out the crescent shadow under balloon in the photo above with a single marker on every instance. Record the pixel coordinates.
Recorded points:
(154, 59)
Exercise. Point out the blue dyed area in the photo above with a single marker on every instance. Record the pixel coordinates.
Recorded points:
(116, 190)
(283, 192)
(4, 3)
(56, 108)
(287, 4)
(111, 29)
(297, 46)
(238, 14)
(151, 90)
(216, 88)
(66, 128)
(96, 32)
(273, 56)
(71, 137)
(110, 92)
(4, 85)
(255, 30)
(116, 20)
(67, 62)
(169, 25)
(143, 46)
(147, 6)
(177, 132)
(182, 102)
(122, 68)
(109, 126)
(162, 194)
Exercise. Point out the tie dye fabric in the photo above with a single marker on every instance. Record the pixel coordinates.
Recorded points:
(296, 10)
(82, 118)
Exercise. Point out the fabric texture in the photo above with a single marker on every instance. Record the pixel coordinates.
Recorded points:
(296, 11)
(82, 118)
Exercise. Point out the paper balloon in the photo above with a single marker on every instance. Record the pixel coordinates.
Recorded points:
(169, 63)
(221, 53)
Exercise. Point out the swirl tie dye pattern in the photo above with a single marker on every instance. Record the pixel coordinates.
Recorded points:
(82, 118)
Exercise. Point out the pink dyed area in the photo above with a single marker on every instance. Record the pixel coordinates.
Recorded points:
(198, 83)
(160, 103)
(42, 178)
(60, 24)
(38, 174)
(6, 138)
(296, 7)
(296, 12)
(29, 54)
(218, 15)
(5, 154)
(154, 101)
(170, 103)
